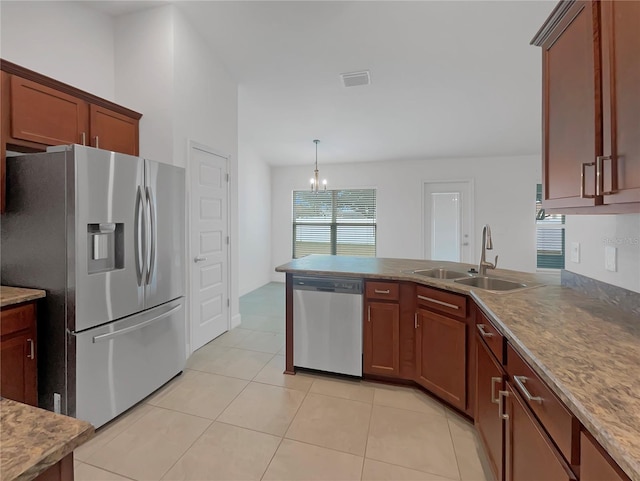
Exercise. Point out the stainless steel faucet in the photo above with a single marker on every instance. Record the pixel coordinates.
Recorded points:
(487, 244)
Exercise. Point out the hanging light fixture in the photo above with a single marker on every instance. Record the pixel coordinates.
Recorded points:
(315, 182)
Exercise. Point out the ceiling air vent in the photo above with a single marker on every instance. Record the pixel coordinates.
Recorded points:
(354, 79)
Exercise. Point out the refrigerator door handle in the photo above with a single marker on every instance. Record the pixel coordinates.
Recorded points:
(111, 335)
(152, 234)
(139, 240)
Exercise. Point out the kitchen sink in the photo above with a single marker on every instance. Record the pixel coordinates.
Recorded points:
(492, 283)
(441, 273)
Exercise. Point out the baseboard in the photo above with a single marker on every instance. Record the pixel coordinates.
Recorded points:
(236, 321)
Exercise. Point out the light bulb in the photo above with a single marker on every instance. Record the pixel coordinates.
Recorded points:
(312, 182)
(324, 182)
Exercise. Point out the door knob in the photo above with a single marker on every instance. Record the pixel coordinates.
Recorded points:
(199, 259)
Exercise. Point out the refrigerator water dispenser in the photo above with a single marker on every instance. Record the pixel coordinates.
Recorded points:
(105, 247)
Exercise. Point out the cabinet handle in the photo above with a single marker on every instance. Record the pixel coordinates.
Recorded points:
(32, 350)
(582, 179)
(600, 174)
(415, 321)
(435, 301)
(380, 291)
(369, 313)
(97, 142)
(84, 138)
(483, 332)
(494, 380)
(501, 396)
(520, 380)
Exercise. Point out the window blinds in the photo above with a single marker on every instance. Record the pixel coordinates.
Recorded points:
(339, 222)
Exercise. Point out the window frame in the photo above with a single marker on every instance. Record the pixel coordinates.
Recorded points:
(334, 224)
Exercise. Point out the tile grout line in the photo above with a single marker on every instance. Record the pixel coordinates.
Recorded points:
(285, 431)
(455, 451)
(366, 443)
(102, 469)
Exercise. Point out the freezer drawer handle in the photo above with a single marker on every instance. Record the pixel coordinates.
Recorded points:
(110, 335)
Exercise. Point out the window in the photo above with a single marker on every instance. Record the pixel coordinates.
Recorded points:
(549, 237)
(339, 222)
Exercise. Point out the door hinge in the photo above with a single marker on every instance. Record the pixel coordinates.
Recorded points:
(228, 177)
(228, 240)
(228, 303)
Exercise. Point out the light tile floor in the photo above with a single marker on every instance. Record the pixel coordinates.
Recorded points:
(233, 415)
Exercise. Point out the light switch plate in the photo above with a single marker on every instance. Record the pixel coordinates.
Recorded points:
(575, 252)
(610, 258)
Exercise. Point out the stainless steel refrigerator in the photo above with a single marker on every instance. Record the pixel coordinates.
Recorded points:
(104, 235)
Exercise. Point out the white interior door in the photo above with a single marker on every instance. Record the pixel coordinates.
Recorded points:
(448, 221)
(209, 250)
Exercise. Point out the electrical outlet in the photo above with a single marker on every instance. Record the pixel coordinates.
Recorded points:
(575, 252)
(610, 258)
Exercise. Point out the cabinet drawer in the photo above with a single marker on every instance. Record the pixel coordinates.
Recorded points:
(489, 334)
(383, 290)
(17, 318)
(562, 426)
(446, 302)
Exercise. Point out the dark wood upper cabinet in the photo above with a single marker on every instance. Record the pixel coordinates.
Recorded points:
(38, 111)
(45, 115)
(113, 131)
(620, 165)
(591, 107)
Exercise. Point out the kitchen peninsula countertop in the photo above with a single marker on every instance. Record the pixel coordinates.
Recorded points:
(587, 351)
(33, 439)
(17, 295)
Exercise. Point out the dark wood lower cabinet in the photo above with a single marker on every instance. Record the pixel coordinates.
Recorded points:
(529, 452)
(596, 464)
(489, 423)
(18, 353)
(382, 339)
(61, 471)
(441, 356)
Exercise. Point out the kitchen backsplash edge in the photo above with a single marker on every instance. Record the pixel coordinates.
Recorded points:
(619, 297)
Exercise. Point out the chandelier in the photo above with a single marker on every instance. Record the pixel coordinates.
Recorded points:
(315, 182)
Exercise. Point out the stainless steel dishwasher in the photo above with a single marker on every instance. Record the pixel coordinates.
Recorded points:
(327, 324)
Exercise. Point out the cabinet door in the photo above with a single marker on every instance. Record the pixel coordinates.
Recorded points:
(46, 116)
(489, 381)
(382, 339)
(529, 453)
(595, 463)
(113, 131)
(621, 101)
(17, 356)
(572, 137)
(441, 356)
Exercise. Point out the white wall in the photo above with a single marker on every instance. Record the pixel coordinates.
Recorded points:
(144, 76)
(504, 198)
(254, 205)
(63, 40)
(205, 110)
(594, 232)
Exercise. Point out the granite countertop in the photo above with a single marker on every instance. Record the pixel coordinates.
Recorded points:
(17, 295)
(400, 270)
(587, 351)
(33, 439)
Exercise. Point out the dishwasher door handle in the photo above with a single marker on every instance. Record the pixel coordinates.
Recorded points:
(326, 289)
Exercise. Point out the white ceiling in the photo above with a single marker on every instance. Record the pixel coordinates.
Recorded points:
(448, 78)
